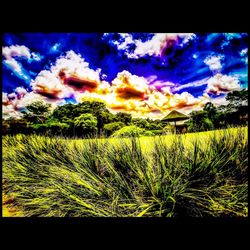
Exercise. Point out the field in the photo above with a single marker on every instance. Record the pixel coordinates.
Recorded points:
(196, 174)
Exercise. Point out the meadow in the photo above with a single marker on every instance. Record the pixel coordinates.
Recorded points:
(195, 174)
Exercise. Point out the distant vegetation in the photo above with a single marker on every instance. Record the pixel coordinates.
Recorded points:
(91, 119)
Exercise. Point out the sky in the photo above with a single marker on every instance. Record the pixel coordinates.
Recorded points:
(144, 74)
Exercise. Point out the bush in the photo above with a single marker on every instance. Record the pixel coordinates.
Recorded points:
(110, 128)
(130, 131)
(156, 132)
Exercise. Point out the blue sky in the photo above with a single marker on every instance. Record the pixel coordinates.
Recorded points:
(198, 65)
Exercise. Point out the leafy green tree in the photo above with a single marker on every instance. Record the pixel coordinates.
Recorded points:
(86, 124)
(36, 112)
(139, 122)
(154, 124)
(52, 127)
(210, 109)
(237, 99)
(65, 112)
(237, 108)
(123, 117)
(199, 121)
(69, 112)
(110, 128)
(15, 126)
(5, 127)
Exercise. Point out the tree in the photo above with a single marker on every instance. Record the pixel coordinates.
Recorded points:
(51, 127)
(65, 112)
(139, 122)
(86, 124)
(210, 109)
(123, 117)
(199, 121)
(237, 109)
(69, 112)
(5, 127)
(154, 124)
(110, 128)
(36, 112)
(237, 99)
(15, 126)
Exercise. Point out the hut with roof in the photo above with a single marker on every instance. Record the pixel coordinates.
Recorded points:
(177, 120)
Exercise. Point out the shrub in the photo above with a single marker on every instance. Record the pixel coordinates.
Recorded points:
(110, 128)
(157, 132)
(130, 131)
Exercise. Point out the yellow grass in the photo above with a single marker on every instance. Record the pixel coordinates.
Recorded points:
(146, 143)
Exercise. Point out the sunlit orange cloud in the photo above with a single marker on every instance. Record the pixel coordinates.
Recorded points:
(72, 77)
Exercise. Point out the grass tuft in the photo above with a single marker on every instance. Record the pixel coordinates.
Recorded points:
(201, 174)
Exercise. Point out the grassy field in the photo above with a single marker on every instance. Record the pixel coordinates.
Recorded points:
(197, 174)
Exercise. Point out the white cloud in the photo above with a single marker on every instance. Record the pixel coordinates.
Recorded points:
(214, 63)
(17, 68)
(125, 80)
(12, 103)
(16, 51)
(21, 91)
(152, 47)
(9, 111)
(14, 65)
(13, 51)
(243, 54)
(36, 56)
(55, 47)
(73, 64)
(220, 84)
(49, 82)
(192, 84)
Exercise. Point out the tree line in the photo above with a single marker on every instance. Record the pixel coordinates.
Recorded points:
(92, 118)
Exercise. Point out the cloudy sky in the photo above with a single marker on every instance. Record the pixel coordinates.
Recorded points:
(146, 74)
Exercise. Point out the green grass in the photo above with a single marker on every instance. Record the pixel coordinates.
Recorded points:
(200, 174)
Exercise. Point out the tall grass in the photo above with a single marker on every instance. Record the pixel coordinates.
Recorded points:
(172, 176)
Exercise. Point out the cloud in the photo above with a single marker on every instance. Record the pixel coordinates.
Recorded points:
(69, 74)
(214, 63)
(35, 57)
(220, 84)
(243, 54)
(126, 93)
(71, 77)
(197, 83)
(9, 112)
(14, 102)
(19, 51)
(14, 51)
(138, 97)
(5, 99)
(153, 47)
(128, 86)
